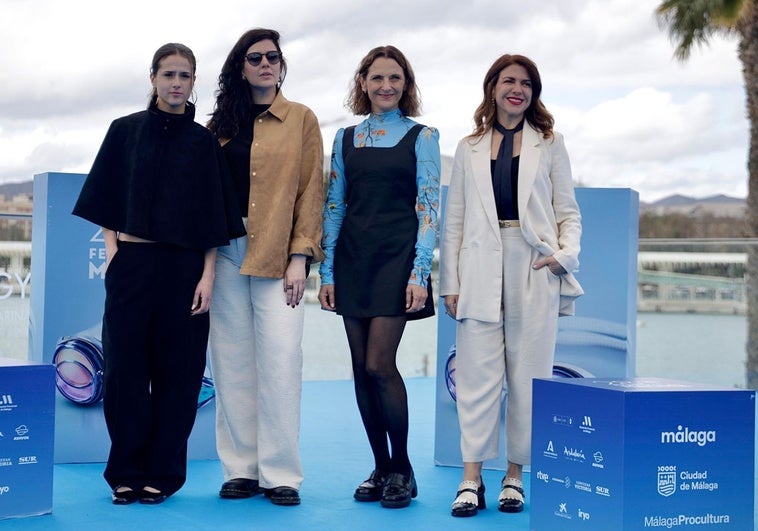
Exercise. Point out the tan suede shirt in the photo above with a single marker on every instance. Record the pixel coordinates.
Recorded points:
(286, 189)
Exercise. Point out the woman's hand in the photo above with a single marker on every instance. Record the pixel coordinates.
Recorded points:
(551, 263)
(201, 301)
(111, 246)
(294, 280)
(451, 305)
(415, 297)
(326, 297)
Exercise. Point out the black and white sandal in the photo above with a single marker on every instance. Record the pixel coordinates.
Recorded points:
(469, 499)
(511, 499)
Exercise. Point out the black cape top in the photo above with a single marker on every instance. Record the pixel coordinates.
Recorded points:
(162, 177)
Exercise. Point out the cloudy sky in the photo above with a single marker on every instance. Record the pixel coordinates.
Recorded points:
(632, 115)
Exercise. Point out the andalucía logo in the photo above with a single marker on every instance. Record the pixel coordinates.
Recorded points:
(550, 451)
(666, 480)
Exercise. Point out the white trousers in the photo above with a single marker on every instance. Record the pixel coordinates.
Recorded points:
(257, 363)
(519, 348)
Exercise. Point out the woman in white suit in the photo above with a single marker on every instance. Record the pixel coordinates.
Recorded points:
(510, 244)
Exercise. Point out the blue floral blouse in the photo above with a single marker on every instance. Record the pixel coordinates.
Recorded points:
(386, 130)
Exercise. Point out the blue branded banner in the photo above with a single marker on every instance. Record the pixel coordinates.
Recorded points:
(641, 453)
(27, 411)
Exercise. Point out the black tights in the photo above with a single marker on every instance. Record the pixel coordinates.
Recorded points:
(379, 388)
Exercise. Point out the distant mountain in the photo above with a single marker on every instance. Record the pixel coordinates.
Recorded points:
(12, 189)
(717, 205)
(723, 199)
(683, 200)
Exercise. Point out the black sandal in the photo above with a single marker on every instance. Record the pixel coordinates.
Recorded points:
(462, 506)
(371, 489)
(511, 499)
(124, 497)
(151, 497)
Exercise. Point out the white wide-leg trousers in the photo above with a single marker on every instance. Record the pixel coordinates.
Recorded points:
(257, 360)
(519, 348)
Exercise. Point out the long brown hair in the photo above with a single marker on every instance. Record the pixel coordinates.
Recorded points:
(536, 114)
(357, 100)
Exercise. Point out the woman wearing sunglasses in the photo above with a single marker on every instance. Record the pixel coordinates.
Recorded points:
(380, 228)
(155, 172)
(275, 154)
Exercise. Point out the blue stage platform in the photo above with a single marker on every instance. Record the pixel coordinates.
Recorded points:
(336, 458)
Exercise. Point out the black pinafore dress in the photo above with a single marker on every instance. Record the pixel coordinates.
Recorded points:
(376, 247)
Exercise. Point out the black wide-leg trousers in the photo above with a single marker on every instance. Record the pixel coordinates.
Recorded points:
(154, 354)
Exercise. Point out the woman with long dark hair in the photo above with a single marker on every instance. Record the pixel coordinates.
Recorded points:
(275, 154)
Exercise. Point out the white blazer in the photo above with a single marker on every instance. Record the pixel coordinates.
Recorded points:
(471, 250)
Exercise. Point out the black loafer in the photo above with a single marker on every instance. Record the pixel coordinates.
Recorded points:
(371, 489)
(147, 497)
(398, 490)
(239, 488)
(283, 496)
(124, 497)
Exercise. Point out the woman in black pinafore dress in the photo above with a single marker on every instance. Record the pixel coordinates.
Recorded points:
(379, 235)
(377, 242)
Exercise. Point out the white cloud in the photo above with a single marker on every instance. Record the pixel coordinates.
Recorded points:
(631, 114)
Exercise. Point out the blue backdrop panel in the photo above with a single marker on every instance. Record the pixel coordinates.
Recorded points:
(600, 340)
(68, 266)
(27, 410)
(641, 453)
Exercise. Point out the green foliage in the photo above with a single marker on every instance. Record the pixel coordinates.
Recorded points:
(693, 22)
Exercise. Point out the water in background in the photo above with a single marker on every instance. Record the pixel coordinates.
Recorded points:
(14, 327)
(694, 347)
(326, 355)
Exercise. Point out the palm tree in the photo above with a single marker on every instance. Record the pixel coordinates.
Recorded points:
(694, 22)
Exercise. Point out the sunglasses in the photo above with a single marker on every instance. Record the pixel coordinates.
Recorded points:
(255, 58)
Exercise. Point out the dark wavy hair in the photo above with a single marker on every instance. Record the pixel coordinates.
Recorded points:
(358, 101)
(233, 98)
(168, 49)
(536, 114)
